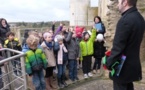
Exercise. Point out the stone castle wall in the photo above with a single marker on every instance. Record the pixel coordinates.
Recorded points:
(112, 17)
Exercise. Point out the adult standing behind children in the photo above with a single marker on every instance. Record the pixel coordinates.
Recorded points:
(97, 20)
(129, 34)
(4, 28)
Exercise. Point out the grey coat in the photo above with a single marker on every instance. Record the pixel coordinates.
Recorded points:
(72, 47)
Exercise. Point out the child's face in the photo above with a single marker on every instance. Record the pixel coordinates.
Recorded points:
(87, 36)
(11, 37)
(48, 38)
(33, 47)
(60, 42)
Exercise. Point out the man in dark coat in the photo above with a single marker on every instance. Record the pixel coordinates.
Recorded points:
(127, 41)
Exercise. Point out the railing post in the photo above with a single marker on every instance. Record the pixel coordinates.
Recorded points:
(9, 69)
(24, 72)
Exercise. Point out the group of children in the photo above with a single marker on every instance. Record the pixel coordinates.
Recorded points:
(51, 51)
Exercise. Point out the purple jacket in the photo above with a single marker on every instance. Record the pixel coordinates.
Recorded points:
(57, 31)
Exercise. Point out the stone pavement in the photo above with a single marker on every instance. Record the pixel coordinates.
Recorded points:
(99, 82)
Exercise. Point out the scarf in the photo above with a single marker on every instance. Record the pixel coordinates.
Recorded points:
(49, 45)
(60, 54)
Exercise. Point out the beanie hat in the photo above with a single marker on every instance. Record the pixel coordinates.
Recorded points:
(59, 37)
(79, 31)
(100, 37)
(46, 34)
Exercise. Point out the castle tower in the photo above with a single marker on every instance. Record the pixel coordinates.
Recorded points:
(79, 12)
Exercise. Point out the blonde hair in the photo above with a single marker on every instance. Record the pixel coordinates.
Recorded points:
(32, 40)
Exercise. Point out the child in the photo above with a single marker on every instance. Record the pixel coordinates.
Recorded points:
(35, 62)
(13, 43)
(73, 54)
(86, 47)
(61, 59)
(99, 52)
(79, 31)
(47, 46)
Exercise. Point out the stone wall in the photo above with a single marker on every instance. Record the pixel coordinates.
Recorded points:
(112, 19)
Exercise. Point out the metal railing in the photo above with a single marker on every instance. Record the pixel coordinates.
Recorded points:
(11, 80)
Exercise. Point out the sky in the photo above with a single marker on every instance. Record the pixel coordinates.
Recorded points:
(35, 10)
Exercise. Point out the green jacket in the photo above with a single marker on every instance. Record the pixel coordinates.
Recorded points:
(33, 58)
(86, 47)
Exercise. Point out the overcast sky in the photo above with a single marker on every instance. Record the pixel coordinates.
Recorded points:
(35, 10)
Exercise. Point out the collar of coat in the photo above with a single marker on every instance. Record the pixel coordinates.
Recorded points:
(132, 9)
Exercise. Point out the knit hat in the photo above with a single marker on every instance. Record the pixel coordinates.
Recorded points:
(46, 34)
(58, 38)
(100, 37)
(79, 31)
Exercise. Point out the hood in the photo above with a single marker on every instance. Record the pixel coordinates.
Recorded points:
(25, 47)
(1, 22)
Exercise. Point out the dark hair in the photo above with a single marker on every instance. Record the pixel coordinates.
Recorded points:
(10, 33)
(100, 21)
(1, 19)
(132, 2)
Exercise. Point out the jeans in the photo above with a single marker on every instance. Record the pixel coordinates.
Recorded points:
(61, 70)
(39, 80)
(16, 66)
(73, 69)
(97, 63)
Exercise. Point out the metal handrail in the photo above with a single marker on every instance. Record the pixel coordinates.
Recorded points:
(9, 58)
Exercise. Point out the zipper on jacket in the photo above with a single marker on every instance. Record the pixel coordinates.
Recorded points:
(36, 58)
(86, 48)
(12, 46)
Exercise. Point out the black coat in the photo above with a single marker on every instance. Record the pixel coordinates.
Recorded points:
(99, 49)
(127, 41)
(3, 31)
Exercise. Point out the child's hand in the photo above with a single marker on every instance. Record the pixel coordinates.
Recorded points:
(61, 24)
(78, 58)
(1, 46)
(94, 26)
(6, 63)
